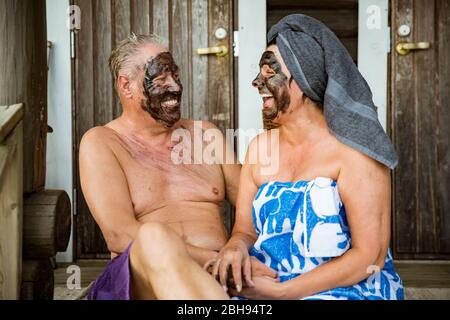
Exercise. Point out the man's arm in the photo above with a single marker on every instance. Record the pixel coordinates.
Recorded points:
(231, 168)
(105, 189)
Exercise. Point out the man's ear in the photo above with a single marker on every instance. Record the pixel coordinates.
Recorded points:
(124, 87)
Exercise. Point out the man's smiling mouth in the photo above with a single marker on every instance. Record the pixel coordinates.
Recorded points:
(170, 103)
(267, 98)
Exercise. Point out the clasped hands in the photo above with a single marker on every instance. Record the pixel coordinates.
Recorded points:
(243, 275)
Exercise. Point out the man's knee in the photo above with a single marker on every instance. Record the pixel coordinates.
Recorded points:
(153, 236)
(155, 243)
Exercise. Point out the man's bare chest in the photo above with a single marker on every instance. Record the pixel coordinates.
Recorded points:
(155, 182)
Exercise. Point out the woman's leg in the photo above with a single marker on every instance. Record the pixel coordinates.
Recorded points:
(162, 268)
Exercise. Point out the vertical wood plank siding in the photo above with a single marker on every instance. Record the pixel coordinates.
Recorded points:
(23, 69)
(421, 131)
(184, 26)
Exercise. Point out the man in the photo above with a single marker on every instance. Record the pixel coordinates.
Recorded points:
(135, 190)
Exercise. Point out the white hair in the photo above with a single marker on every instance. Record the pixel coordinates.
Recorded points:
(123, 57)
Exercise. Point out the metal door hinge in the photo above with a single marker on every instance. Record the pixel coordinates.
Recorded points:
(49, 49)
(72, 44)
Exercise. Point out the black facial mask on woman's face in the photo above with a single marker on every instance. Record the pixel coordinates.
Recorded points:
(272, 81)
(163, 89)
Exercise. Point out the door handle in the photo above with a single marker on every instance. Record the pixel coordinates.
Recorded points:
(219, 51)
(403, 48)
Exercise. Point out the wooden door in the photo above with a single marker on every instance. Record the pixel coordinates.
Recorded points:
(208, 81)
(420, 124)
(341, 16)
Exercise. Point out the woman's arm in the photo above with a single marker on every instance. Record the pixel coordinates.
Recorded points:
(364, 187)
(243, 234)
(235, 252)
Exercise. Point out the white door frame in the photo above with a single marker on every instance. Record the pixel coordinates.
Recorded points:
(59, 143)
(252, 15)
(373, 49)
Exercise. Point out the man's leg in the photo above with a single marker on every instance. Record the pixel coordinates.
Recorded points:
(162, 268)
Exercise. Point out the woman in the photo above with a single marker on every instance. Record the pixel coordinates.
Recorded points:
(322, 220)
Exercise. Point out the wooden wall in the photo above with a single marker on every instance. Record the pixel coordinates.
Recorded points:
(186, 26)
(23, 79)
(420, 121)
(11, 203)
(341, 16)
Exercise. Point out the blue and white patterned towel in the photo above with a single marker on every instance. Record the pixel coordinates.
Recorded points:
(301, 225)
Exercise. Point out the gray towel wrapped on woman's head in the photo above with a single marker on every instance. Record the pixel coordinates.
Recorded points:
(325, 72)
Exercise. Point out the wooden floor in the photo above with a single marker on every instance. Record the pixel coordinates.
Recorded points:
(90, 269)
(427, 280)
(426, 274)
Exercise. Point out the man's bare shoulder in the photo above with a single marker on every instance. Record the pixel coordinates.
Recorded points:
(190, 124)
(98, 139)
(100, 134)
(97, 152)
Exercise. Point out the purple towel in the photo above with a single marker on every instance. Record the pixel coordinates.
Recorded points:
(114, 282)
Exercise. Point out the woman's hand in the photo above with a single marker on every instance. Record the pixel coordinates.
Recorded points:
(221, 264)
(265, 288)
(238, 259)
(259, 269)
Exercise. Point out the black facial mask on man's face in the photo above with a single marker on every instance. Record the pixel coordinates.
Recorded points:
(271, 81)
(163, 89)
